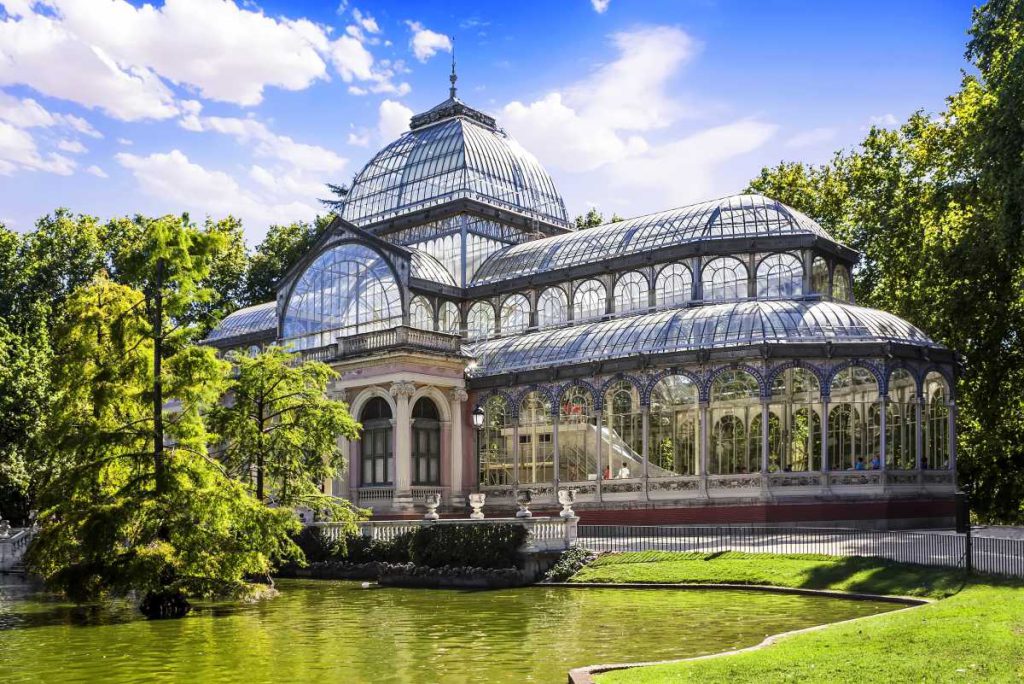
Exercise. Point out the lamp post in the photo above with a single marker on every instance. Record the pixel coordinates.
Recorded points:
(478, 426)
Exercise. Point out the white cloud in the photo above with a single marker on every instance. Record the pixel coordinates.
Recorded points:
(815, 136)
(619, 133)
(426, 43)
(393, 119)
(178, 184)
(27, 113)
(124, 141)
(360, 139)
(365, 21)
(96, 171)
(72, 146)
(18, 150)
(883, 121)
(600, 6)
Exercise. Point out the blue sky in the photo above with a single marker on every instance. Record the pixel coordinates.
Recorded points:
(217, 107)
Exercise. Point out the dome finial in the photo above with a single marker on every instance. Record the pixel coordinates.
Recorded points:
(453, 77)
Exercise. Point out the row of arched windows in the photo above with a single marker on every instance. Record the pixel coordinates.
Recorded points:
(376, 444)
(801, 428)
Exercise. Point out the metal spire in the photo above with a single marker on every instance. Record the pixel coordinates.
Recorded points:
(453, 77)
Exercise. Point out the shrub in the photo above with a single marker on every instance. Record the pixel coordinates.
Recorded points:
(315, 545)
(569, 563)
(359, 549)
(487, 545)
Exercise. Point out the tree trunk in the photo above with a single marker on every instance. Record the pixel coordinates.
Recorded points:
(158, 391)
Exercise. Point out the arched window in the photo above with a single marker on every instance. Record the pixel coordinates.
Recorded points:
(936, 436)
(375, 445)
(515, 314)
(735, 401)
(577, 436)
(420, 314)
(796, 401)
(724, 279)
(448, 318)
(589, 300)
(631, 292)
(841, 283)
(901, 422)
(854, 442)
(536, 445)
(480, 321)
(348, 289)
(496, 456)
(674, 442)
(552, 307)
(819, 276)
(623, 431)
(674, 285)
(426, 443)
(780, 275)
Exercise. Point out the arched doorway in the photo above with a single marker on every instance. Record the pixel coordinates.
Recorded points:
(426, 443)
(376, 446)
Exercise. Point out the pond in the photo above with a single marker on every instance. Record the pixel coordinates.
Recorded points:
(334, 631)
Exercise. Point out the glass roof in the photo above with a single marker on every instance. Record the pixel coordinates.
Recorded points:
(251, 319)
(729, 217)
(701, 327)
(455, 158)
(426, 267)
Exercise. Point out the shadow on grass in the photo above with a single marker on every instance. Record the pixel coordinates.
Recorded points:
(878, 576)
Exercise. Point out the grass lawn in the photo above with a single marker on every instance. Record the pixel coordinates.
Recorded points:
(975, 633)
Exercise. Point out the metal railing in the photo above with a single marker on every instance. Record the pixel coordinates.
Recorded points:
(990, 555)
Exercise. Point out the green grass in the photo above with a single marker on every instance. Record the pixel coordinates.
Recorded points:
(974, 634)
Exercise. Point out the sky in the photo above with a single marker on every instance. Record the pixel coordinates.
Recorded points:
(220, 107)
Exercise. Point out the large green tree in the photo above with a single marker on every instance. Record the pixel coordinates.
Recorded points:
(131, 499)
(936, 208)
(280, 431)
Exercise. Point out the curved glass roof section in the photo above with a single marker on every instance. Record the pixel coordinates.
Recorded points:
(729, 217)
(702, 327)
(252, 319)
(455, 158)
(426, 267)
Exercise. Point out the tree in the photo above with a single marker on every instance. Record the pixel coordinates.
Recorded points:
(282, 247)
(131, 499)
(594, 218)
(936, 207)
(280, 430)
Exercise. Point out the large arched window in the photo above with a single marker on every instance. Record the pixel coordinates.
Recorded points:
(375, 445)
(448, 318)
(480, 321)
(841, 283)
(937, 413)
(420, 314)
(819, 276)
(780, 275)
(901, 422)
(630, 293)
(735, 401)
(577, 436)
(796, 405)
(495, 444)
(426, 443)
(552, 307)
(854, 439)
(623, 431)
(589, 300)
(348, 289)
(536, 444)
(674, 285)
(724, 278)
(674, 442)
(515, 314)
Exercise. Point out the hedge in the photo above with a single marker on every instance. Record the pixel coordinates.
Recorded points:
(485, 545)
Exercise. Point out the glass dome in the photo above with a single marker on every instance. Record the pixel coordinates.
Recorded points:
(462, 156)
(261, 318)
(729, 217)
(703, 327)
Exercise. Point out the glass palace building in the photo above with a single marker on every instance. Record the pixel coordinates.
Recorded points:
(701, 364)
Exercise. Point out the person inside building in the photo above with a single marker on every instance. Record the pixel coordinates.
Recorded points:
(623, 472)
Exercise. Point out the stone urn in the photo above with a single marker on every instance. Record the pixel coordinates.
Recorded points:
(432, 500)
(5, 529)
(476, 502)
(567, 497)
(524, 497)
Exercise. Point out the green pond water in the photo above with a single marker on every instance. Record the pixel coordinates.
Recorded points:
(333, 631)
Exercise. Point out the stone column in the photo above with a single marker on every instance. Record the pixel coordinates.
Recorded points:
(600, 449)
(645, 424)
(824, 437)
(402, 435)
(556, 457)
(919, 436)
(883, 423)
(456, 399)
(702, 467)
